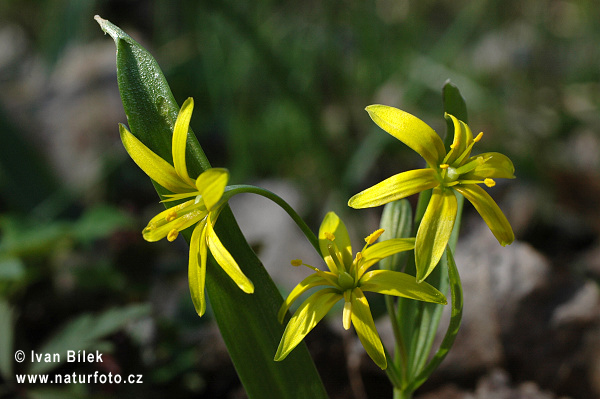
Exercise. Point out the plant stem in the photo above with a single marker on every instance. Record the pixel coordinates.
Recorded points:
(239, 189)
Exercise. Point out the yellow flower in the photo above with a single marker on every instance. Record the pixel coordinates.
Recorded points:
(447, 173)
(348, 278)
(202, 210)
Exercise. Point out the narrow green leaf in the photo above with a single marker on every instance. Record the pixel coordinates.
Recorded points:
(7, 325)
(454, 104)
(248, 322)
(453, 326)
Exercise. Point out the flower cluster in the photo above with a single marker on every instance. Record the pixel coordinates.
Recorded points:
(200, 201)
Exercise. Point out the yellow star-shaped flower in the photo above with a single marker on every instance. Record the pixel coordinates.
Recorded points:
(347, 279)
(202, 210)
(447, 173)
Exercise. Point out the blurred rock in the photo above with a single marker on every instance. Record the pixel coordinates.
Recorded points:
(273, 234)
(495, 282)
(495, 385)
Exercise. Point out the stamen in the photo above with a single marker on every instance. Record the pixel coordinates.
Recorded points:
(333, 253)
(329, 236)
(359, 256)
(374, 236)
(489, 182)
(298, 262)
(172, 215)
(479, 136)
(444, 166)
(172, 235)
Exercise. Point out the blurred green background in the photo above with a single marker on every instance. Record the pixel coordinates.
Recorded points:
(280, 89)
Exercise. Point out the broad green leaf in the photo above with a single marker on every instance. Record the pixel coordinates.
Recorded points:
(151, 114)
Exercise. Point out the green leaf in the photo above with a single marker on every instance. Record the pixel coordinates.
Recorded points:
(151, 111)
(454, 104)
(85, 333)
(453, 326)
(7, 324)
(396, 221)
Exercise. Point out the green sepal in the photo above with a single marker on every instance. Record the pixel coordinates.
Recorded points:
(151, 114)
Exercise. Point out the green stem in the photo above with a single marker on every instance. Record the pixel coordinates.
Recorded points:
(392, 371)
(400, 349)
(244, 188)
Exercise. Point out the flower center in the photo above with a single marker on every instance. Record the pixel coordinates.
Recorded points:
(346, 281)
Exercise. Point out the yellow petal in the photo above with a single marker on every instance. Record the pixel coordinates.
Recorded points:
(179, 218)
(388, 282)
(494, 165)
(309, 282)
(332, 224)
(410, 130)
(463, 137)
(489, 211)
(211, 184)
(434, 231)
(305, 319)
(197, 269)
(154, 166)
(180, 134)
(383, 249)
(365, 328)
(394, 188)
(225, 260)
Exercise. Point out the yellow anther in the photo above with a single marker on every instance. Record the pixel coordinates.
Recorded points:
(296, 262)
(444, 166)
(359, 256)
(172, 215)
(329, 236)
(453, 145)
(489, 182)
(479, 136)
(172, 235)
(374, 236)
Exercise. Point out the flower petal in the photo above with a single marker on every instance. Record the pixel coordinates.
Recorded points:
(180, 218)
(305, 319)
(463, 137)
(225, 260)
(196, 269)
(394, 188)
(154, 166)
(434, 231)
(180, 134)
(309, 282)
(489, 211)
(495, 165)
(410, 130)
(383, 249)
(365, 328)
(211, 184)
(388, 282)
(332, 224)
